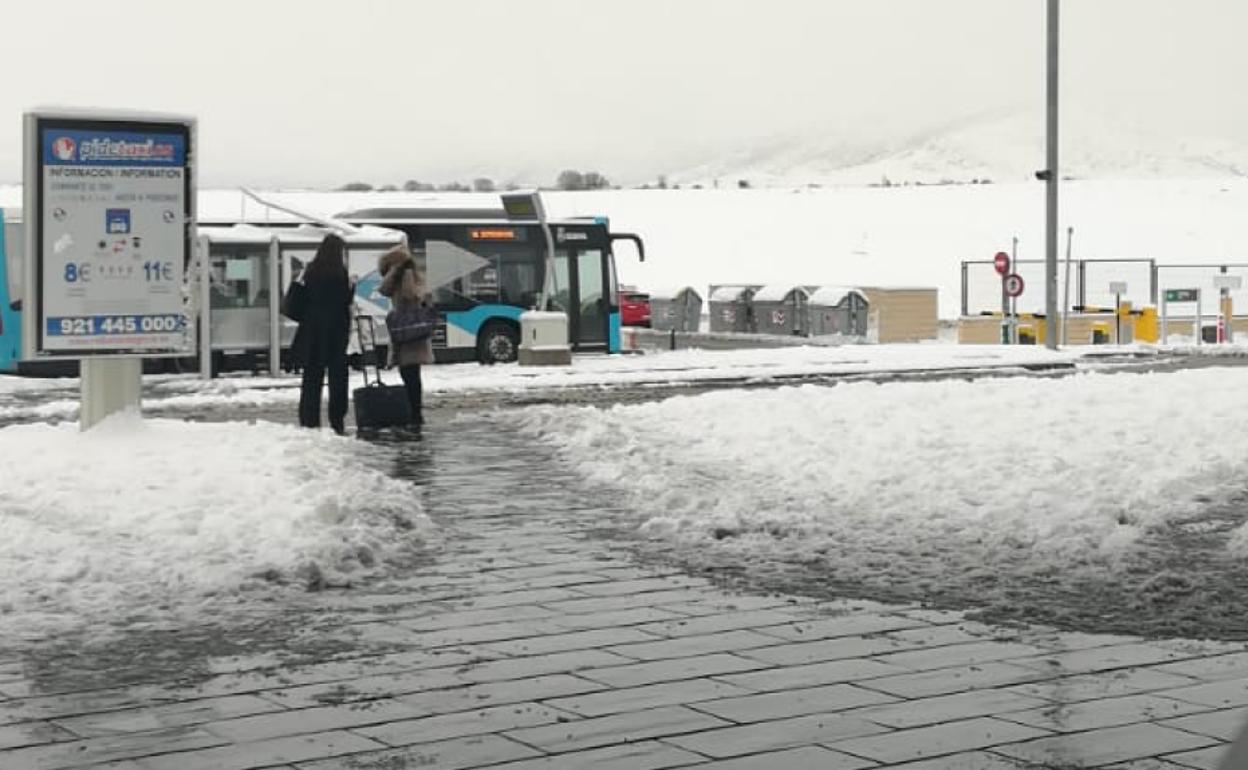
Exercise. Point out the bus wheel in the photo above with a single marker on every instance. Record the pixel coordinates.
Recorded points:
(498, 343)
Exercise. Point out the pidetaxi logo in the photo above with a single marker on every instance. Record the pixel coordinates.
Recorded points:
(106, 148)
(63, 148)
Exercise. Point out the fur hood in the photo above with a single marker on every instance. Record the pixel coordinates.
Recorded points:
(400, 279)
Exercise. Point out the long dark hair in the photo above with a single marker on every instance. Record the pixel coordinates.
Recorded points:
(329, 262)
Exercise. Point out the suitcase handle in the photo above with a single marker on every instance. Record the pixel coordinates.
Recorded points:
(360, 318)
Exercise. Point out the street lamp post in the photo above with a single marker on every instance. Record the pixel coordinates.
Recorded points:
(1051, 176)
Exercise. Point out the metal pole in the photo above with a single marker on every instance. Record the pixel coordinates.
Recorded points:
(1050, 230)
(966, 285)
(1117, 319)
(1014, 300)
(205, 309)
(1070, 236)
(1165, 331)
(275, 309)
(1199, 323)
(109, 386)
(1224, 299)
(1005, 305)
(544, 301)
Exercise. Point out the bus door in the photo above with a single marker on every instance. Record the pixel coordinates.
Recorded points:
(584, 285)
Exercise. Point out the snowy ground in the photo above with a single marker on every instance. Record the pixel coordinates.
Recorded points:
(25, 399)
(882, 485)
(516, 626)
(971, 488)
(156, 518)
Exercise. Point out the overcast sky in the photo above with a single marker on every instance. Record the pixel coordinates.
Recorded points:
(318, 93)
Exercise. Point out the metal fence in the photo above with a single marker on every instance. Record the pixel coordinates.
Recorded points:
(1090, 281)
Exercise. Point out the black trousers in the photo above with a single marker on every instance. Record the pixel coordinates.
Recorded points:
(415, 394)
(319, 360)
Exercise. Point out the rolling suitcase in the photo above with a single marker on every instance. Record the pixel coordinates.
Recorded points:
(377, 405)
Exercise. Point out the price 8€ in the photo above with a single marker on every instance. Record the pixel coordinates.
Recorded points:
(152, 271)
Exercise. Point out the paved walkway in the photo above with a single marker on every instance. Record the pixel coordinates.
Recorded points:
(528, 644)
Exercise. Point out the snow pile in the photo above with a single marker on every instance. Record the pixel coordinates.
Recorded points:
(137, 515)
(910, 484)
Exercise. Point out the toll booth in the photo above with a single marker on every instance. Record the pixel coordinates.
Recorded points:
(243, 274)
(676, 309)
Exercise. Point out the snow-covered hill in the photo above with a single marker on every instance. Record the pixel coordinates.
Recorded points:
(999, 148)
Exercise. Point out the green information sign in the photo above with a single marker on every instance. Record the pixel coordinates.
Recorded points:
(1182, 295)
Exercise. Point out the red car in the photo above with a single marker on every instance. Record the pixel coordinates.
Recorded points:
(634, 308)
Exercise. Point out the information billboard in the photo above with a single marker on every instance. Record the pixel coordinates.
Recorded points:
(112, 216)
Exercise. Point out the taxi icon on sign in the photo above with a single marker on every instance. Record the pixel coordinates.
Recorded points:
(117, 221)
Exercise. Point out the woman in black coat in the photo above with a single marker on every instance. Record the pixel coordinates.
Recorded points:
(322, 335)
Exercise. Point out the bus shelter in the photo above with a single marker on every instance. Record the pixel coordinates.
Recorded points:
(676, 309)
(244, 271)
(781, 309)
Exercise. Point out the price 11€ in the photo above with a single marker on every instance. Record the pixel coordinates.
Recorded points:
(158, 271)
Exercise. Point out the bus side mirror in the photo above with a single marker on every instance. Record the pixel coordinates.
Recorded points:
(636, 239)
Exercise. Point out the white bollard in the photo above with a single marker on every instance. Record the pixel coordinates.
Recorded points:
(109, 385)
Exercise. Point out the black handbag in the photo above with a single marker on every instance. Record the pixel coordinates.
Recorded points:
(295, 303)
(410, 324)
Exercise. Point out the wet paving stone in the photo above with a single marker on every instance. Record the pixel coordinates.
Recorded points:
(535, 632)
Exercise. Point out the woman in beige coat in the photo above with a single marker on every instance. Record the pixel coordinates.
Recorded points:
(404, 284)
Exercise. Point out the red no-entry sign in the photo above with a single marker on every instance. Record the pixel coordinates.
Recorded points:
(1001, 262)
(1013, 284)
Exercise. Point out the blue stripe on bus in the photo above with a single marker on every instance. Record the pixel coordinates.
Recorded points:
(10, 321)
(471, 321)
(613, 333)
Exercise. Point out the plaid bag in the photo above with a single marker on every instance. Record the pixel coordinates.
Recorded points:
(411, 324)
